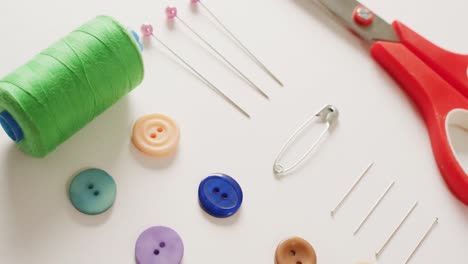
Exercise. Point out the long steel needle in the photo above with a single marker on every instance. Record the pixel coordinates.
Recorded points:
(147, 31)
(340, 203)
(373, 208)
(382, 248)
(206, 81)
(236, 39)
(171, 13)
(422, 240)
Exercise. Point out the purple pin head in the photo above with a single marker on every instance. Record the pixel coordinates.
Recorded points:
(147, 30)
(171, 12)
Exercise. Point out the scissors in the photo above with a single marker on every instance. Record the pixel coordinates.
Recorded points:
(435, 79)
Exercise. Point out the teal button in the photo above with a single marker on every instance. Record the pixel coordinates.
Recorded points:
(92, 191)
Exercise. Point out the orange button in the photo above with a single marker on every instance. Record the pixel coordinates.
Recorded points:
(155, 135)
(295, 251)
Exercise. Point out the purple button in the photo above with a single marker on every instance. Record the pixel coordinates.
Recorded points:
(159, 245)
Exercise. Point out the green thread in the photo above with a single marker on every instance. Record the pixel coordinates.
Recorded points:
(67, 85)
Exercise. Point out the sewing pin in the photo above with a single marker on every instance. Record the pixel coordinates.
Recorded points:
(345, 197)
(377, 254)
(374, 207)
(147, 31)
(422, 240)
(171, 13)
(244, 48)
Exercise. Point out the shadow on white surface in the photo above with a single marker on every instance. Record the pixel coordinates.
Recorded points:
(147, 43)
(457, 131)
(458, 134)
(38, 188)
(463, 210)
(194, 8)
(150, 162)
(170, 24)
(90, 220)
(222, 221)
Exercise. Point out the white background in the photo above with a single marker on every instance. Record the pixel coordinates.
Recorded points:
(319, 62)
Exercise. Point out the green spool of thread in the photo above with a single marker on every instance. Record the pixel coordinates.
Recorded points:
(66, 86)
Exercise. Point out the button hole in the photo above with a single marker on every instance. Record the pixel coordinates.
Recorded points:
(292, 253)
(162, 244)
(224, 196)
(160, 129)
(156, 252)
(216, 190)
(91, 186)
(153, 135)
(96, 193)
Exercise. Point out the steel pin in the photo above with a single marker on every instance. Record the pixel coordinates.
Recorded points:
(147, 31)
(422, 240)
(345, 197)
(374, 207)
(171, 13)
(377, 254)
(244, 48)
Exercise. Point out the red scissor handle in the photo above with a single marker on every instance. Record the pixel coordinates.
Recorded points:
(451, 66)
(434, 96)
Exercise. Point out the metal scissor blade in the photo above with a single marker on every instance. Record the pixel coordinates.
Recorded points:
(343, 10)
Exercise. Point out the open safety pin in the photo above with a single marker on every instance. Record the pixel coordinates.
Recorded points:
(329, 115)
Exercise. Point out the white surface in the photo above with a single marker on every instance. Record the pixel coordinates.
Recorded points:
(320, 64)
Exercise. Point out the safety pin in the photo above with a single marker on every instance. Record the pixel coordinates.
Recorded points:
(329, 115)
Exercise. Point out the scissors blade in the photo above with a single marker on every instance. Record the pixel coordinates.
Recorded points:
(343, 10)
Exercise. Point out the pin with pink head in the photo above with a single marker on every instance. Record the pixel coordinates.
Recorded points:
(194, 1)
(171, 12)
(147, 30)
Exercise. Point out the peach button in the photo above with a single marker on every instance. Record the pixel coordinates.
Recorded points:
(295, 251)
(155, 135)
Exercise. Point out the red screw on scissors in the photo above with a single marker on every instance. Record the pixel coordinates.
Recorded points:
(434, 78)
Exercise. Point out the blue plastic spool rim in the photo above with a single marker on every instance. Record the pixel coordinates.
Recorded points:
(11, 127)
(136, 37)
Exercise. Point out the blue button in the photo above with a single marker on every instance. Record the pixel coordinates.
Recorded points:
(92, 191)
(220, 195)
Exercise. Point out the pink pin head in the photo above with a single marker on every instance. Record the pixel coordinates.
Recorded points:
(171, 12)
(194, 1)
(147, 30)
